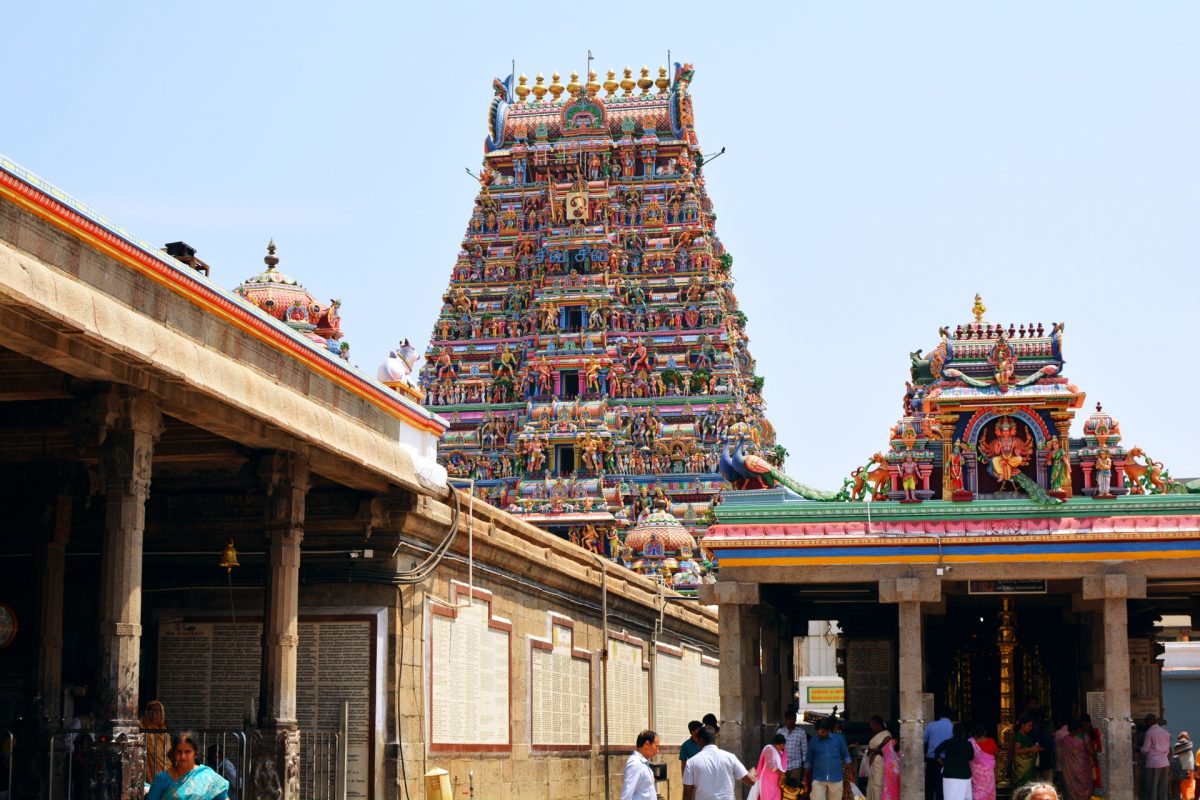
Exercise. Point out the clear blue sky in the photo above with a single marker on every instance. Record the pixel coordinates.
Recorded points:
(885, 162)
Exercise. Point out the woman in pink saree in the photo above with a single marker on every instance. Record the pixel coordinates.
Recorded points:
(1076, 755)
(983, 766)
(891, 770)
(772, 766)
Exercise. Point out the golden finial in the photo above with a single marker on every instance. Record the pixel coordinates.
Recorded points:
(539, 91)
(556, 88)
(627, 83)
(522, 89)
(611, 85)
(645, 82)
(271, 260)
(592, 87)
(979, 309)
(662, 83)
(573, 87)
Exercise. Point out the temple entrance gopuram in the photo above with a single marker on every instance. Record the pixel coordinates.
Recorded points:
(590, 353)
(1001, 563)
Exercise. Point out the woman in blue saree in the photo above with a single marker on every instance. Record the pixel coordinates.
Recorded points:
(184, 779)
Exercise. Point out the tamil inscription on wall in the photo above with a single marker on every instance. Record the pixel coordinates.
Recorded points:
(560, 688)
(469, 663)
(628, 689)
(686, 687)
(208, 677)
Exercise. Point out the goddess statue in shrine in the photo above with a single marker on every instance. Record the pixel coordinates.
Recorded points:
(954, 467)
(1006, 453)
(1056, 459)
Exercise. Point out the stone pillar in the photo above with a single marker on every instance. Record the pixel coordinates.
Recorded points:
(768, 692)
(787, 663)
(741, 711)
(908, 594)
(276, 740)
(1115, 590)
(51, 557)
(129, 423)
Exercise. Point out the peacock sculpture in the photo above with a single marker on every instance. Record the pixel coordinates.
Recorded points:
(749, 471)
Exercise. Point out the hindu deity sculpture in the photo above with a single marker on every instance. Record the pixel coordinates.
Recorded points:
(1006, 452)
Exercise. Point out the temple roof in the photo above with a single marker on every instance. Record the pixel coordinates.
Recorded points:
(641, 109)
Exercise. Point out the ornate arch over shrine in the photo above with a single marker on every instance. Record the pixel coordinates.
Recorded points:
(981, 418)
(583, 115)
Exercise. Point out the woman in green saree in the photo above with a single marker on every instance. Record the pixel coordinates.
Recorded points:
(1025, 753)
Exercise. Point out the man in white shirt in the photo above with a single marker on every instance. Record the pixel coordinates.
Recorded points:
(710, 774)
(639, 777)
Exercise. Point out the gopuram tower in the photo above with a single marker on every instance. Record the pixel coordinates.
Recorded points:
(590, 352)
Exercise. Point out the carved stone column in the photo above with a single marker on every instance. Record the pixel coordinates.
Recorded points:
(1116, 590)
(908, 594)
(787, 663)
(129, 423)
(276, 741)
(770, 713)
(741, 711)
(51, 557)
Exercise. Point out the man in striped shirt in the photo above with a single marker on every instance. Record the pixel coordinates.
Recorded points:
(797, 743)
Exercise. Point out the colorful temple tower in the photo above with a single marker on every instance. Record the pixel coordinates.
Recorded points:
(590, 352)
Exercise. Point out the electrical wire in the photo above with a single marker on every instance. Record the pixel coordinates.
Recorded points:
(421, 572)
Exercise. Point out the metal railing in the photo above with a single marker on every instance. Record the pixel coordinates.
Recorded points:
(79, 766)
(324, 758)
(84, 766)
(319, 773)
(227, 753)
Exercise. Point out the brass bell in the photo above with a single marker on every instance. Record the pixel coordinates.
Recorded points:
(229, 557)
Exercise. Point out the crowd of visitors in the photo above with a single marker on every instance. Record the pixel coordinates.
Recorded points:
(1045, 762)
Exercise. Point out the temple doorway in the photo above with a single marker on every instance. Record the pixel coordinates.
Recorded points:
(964, 658)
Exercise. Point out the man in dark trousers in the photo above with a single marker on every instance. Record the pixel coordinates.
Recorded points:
(936, 732)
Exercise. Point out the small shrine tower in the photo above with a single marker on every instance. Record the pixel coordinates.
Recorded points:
(282, 297)
(590, 352)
